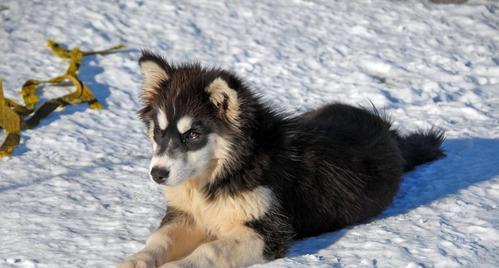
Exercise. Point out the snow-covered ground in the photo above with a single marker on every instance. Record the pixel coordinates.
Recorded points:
(76, 192)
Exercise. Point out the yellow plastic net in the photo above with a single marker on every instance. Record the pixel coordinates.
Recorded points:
(15, 117)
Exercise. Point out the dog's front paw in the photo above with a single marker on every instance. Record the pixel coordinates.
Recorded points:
(133, 264)
(174, 265)
(186, 263)
(140, 260)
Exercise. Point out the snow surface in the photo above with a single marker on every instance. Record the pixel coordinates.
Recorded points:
(77, 194)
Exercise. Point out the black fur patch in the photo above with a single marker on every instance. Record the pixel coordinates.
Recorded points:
(176, 141)
(421, 147)
(276, 232)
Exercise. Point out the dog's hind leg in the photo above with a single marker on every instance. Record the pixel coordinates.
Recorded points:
(241, 251)
(177, 236)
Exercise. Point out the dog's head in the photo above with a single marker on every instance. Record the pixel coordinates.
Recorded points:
(193, 117)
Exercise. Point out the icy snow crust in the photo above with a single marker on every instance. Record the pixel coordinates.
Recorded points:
(77, 194)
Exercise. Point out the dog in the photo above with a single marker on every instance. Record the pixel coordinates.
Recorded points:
(243, 181)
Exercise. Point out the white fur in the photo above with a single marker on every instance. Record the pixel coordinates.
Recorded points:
(193, 165)
(151, 136)
(184, 124)
(162, 120)
(162, 161)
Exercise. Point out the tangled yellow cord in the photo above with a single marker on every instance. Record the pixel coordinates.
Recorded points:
(12, 114)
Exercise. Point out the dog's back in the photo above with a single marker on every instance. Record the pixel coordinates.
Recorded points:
(338, 165)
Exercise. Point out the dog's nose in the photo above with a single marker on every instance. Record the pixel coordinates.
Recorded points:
(159, 175)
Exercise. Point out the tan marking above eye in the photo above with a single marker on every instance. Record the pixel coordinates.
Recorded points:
(184, 124)
(162, 120)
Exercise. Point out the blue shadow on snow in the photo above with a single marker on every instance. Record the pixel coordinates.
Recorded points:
(87, 74)
(468, 161)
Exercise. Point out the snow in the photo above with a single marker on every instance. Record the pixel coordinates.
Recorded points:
(76, 192)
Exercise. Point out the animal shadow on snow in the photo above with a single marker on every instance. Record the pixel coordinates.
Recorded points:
(468, 161)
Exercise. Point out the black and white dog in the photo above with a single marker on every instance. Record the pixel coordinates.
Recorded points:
(243, 181)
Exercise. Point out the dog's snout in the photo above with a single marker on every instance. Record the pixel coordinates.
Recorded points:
(159, 175)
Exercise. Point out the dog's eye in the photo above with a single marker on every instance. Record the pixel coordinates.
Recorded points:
(192, 135)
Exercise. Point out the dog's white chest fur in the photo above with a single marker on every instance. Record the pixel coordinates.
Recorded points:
(223, 215)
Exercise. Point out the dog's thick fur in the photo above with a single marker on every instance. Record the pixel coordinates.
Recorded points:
(242, 181)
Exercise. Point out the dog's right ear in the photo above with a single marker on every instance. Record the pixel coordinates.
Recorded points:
(155, 70)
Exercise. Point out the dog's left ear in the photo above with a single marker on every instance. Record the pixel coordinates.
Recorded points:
(155, 70)
(224, 98)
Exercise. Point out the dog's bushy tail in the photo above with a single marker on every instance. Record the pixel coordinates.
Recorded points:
(420, 147)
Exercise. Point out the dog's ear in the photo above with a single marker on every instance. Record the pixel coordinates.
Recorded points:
(155, 70)
(224, 98)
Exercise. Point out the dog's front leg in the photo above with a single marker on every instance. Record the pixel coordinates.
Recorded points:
(224, 253)
(177, 236)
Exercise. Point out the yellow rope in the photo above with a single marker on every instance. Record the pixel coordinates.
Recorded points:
(12, 114)
(10, 121)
